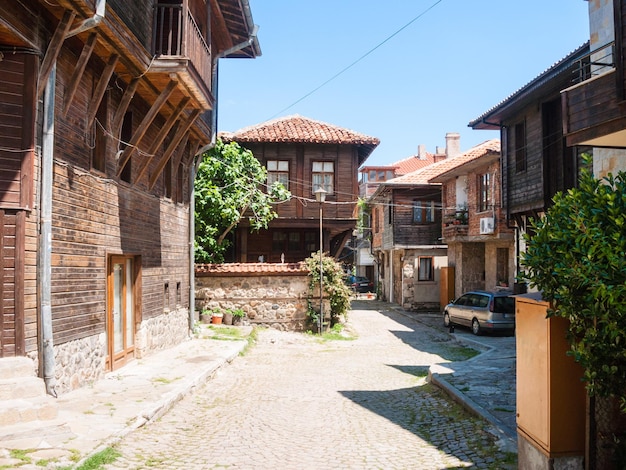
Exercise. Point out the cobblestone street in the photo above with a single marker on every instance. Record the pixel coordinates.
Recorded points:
(295, 402)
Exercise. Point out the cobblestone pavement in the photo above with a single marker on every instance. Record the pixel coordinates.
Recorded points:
(486, 382)
(295, 402)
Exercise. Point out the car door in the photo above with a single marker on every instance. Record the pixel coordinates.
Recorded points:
(458, 309)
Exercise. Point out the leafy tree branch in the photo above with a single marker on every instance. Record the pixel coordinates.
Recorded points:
(230, 186)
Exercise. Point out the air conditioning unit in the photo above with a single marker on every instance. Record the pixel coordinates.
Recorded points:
(486, 225)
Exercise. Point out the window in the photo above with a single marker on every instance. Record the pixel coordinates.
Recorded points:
(425, 271)
(423, 212)
(278, 170)
(520, 147)
(180, 182)
(126, 136)
(167, 179)
(98, 155)
(485, 187)
(323, 175)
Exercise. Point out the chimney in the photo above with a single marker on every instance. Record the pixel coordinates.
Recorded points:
(421, 151)
(440, 151)
(453, 144)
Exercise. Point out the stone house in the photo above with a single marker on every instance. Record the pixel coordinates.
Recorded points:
(106, 106)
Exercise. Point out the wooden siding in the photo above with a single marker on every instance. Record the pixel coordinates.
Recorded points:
(524, 189)
(406, 232)
(592, 109)
(339, 211)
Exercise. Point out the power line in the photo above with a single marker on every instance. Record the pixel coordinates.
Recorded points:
(357, 60)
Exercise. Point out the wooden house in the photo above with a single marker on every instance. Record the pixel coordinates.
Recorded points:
(104, 109)
(536, 160)
(304, 154)
(475, 229)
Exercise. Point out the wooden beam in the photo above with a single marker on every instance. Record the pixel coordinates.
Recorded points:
(162, 134)
(79, 70)
(173, 144)
(101, 88)
(54, 48)
(118, 119)
(145, 124)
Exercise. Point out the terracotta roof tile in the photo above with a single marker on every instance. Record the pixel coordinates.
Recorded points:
(299, 129)
(424, 175)
(236, 269)
(413, 163)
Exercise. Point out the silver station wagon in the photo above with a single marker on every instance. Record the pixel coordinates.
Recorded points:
(482, 311)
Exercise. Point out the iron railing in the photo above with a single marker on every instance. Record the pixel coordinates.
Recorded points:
(595, 63)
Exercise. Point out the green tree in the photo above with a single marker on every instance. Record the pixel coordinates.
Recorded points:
(577, 259)
(230, 185)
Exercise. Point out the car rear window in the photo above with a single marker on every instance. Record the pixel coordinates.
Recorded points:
(504, 304)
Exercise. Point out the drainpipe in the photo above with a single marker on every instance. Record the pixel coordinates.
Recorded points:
(92, 22)
(45, 238)
(198, 158)
(45, 215)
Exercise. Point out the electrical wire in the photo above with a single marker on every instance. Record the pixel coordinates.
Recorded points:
(357, 60)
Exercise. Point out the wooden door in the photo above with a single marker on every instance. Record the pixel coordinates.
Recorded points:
(121, 312)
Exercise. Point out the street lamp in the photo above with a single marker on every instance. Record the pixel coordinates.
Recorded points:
(320, 196)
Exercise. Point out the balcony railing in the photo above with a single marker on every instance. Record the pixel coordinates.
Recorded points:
(176, 34)
(595, 63)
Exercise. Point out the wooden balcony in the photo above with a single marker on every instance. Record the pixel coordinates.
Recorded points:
(594, 112)
(180, 48)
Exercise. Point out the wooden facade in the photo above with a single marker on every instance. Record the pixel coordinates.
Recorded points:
(536, 160)
(294, 235)
(128, 122)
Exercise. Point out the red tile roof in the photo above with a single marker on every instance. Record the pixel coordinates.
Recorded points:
(413, 163)
(237, 269)
(298, 129)
(428, 173)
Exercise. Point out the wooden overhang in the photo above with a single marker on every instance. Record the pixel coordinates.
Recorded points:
(172, 86)
(547, 83)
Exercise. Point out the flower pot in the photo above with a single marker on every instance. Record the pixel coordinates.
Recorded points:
(216, 319)
(227, 319)
(205, 318)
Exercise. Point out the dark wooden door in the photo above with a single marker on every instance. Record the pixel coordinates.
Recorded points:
(18, 75)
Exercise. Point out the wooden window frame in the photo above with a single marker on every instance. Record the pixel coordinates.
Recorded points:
(426, 276)
(423, 212)
(520, 147)
(276, 173)
(485, 189)
(326, 174)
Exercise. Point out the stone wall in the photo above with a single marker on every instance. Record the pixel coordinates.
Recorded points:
(271, 295)
(81, 362)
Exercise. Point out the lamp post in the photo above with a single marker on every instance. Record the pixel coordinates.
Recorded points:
(320, 197)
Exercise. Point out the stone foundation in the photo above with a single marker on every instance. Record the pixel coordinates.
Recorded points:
(81, 362)
(162, 332)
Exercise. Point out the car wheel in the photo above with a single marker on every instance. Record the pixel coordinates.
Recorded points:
(476, 327)
(446, 319)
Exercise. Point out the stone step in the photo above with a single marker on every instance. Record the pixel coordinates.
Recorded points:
(11, 367)
(21, 411)
(21, 387)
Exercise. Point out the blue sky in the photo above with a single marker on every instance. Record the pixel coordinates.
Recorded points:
(456, 60)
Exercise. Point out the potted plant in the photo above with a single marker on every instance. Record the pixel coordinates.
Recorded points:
(228, 317)
(205, 315)
(216, 317)
(238, 315)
